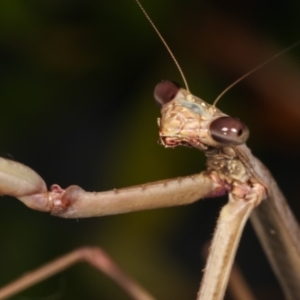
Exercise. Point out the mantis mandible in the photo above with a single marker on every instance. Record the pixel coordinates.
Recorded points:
(12, 193)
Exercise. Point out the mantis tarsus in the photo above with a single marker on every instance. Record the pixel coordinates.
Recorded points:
(47, 180)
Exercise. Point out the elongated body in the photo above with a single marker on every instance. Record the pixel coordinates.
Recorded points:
(186, 120)
(231, 168)
(238, 169)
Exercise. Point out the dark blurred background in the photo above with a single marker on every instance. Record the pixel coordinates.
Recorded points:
(76, 84)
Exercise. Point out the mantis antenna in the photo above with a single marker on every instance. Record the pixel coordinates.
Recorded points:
(165, 44)
(256, 69)
(231, 85)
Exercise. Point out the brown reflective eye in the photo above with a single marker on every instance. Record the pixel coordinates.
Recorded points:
(228, 131)
(165, 91)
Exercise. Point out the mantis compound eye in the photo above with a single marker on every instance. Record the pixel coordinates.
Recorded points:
(228, 131)
(165, 91)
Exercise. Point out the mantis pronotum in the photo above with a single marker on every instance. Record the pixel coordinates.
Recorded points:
(115, 184)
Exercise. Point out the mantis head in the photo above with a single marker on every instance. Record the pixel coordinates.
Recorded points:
(188, 120)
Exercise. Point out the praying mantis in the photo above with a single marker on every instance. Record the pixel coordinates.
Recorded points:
(114, 183)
